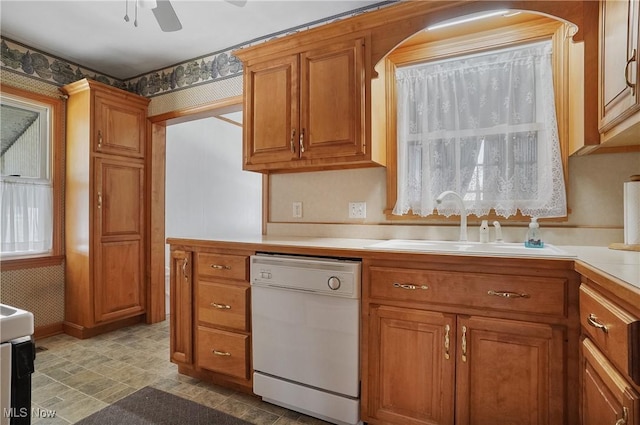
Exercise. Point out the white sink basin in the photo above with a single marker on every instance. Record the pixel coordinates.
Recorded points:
(14, 323)
(499, 249)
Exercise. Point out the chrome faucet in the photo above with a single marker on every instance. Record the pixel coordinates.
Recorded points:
(463, 211)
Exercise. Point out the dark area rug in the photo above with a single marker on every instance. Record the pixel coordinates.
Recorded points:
(150, 406)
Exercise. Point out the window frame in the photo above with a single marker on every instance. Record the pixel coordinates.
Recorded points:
(537, 29)
(56, 171)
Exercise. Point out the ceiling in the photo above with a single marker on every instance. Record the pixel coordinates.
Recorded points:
(94, 34)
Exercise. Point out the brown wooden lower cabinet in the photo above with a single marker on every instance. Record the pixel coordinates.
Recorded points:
(412, 366)
(448, 343)
(509, 371)
(210, 316)
(425, 365)
(607, 397)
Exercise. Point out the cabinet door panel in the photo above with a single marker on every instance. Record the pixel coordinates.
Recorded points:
(271, 111)
(120, 127)
(120, 197)
(606, 397)
(618, 44)
(509, 372)
(118, 283)
(411, 380)
(181, 302)
(332, 101)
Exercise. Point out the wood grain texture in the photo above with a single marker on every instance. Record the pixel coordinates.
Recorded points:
(105, 208)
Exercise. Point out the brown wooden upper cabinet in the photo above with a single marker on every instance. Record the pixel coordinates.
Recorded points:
(120, 127)
(619, 101)
(307, 109)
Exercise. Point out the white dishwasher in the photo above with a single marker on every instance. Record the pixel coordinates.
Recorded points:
(305, 316)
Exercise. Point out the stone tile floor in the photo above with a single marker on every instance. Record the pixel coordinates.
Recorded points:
(75, 378)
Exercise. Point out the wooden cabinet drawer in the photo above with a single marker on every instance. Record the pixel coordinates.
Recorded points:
(476, 290)
(607, 397)
(223, 352)
(615, 331)
(223, 266)
(221, 304)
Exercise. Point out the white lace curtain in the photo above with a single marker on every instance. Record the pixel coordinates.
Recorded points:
(484, 126)
(26, 216)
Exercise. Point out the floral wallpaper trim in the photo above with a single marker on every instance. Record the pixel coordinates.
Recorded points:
(23, 59)
(19, 58)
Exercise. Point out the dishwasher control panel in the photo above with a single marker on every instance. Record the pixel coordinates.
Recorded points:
(320, 275)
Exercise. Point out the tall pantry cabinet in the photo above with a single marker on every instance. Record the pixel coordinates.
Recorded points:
(104, 208)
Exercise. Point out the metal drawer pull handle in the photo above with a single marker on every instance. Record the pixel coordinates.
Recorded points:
(99, 139)
(220, 306)
(99, 199)
(446, 342)
(220, 353)
(592, 319)
(631, 85)
(409, 286)
(507, 294)
(624, 420)
(302, 141)
(220, 267)
(464, 343)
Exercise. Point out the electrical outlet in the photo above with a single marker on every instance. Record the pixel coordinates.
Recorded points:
(357, 210)
(297, 210)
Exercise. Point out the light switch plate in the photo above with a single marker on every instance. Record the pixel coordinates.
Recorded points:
(297, 210)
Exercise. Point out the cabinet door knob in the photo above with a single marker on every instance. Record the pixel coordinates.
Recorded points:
(302, 141)
(464, 343)
(447, 328)
(99, 139)
(631, 85)
(99, 200)
(292, 144)
(184, 268)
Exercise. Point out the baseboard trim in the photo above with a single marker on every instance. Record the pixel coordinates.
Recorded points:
(82, 332)
(48, 330)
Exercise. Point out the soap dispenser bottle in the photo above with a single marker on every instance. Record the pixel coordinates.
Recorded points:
(533, 235)
(484, 231)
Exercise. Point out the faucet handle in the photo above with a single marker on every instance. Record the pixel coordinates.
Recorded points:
(496, 224)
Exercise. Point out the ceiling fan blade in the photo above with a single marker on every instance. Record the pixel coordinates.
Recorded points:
(166, 16)
(239, 3)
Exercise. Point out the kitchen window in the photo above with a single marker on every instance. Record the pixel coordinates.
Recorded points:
(459, 143)
(483, 125)
(30, 168)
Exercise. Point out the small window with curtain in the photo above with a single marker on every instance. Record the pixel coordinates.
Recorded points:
(482, 125)
(26, 191)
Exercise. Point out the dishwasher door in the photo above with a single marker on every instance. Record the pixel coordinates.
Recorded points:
(307, 338)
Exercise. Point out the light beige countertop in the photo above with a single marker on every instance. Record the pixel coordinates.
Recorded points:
(620, 265)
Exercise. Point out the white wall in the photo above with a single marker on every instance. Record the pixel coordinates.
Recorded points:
(208, 195)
